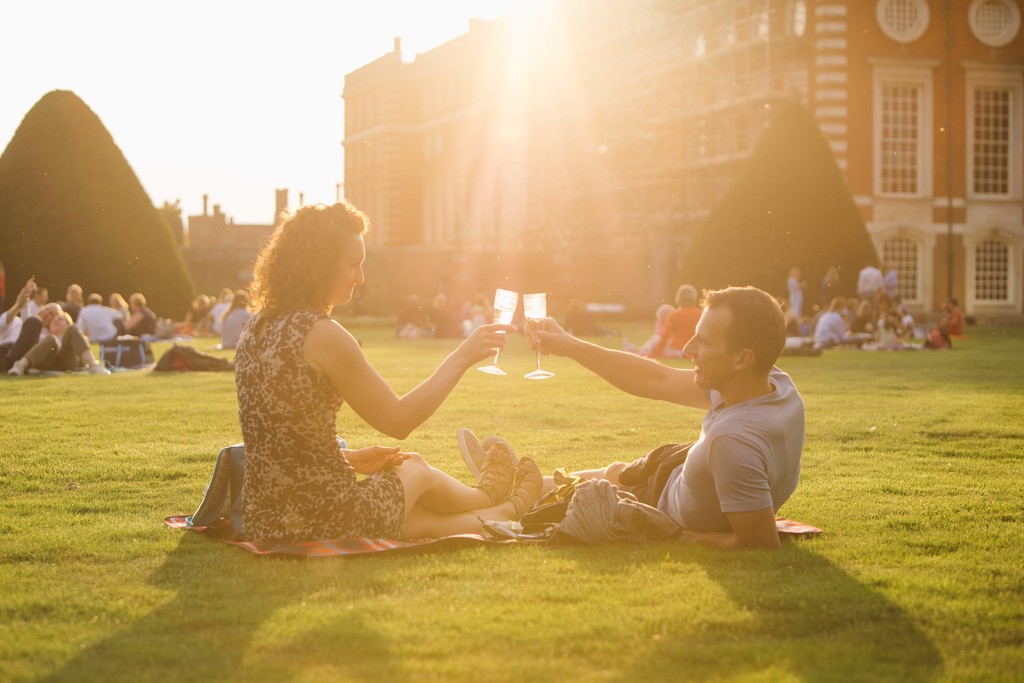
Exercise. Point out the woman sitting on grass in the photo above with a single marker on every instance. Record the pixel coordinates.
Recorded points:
(294, 368)
(65, 348)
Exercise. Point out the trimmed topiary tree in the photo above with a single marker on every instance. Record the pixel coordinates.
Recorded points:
(73, 211)
(789, 206)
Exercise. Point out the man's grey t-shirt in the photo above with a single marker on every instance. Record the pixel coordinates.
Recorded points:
(747, 458)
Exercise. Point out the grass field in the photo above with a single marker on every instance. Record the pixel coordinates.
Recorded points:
(913, 466)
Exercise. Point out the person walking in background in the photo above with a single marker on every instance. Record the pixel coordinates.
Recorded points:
(795, 286)
(3, 287)
(870, 282)
(295, 367)
(891, 281)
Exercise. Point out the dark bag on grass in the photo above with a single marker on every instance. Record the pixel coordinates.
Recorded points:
(181, 358)
(126, 352)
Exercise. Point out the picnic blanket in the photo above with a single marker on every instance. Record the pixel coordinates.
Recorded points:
(499, 533)
(219, 516)
(334, 547)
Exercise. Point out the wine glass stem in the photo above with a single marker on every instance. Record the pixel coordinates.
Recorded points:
(538, 356)
(495, 361)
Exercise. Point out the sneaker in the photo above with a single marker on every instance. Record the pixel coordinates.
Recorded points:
(529, 484)
(19, 367)
(498, 475)
(98, 369)
(474, 451)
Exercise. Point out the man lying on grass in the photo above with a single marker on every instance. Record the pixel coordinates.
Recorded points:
(746, 463)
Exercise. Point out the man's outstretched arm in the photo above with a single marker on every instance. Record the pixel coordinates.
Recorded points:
(633, 374)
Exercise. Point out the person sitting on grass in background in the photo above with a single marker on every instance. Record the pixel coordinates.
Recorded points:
(216, 314)
(73, 302)
(413, 322)
(65, 348)
(746, 462)
(234, 320)
(661, 315)
(10, 321)
(99, 323)
(142, 320)
(117, 302)
(33, 328)
(833, 330)
(195, 322)
(294, 368)
(681, 324)
(952, 318)
(40, 297)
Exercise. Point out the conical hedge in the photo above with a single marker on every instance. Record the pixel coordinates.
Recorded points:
(73, 211)
(788, 206)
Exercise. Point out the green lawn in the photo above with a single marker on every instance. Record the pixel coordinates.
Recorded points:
(913, 466)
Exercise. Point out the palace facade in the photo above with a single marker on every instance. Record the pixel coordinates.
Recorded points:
(579, 144)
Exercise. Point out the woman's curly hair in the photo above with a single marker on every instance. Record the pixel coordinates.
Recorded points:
(297, 268)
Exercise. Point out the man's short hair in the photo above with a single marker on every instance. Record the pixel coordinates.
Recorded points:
(758, 322)
(95, 299)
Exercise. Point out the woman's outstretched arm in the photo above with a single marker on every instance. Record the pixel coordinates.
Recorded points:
(331, 349)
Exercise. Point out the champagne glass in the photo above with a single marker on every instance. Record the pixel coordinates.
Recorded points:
(505, 303)
(535, 307)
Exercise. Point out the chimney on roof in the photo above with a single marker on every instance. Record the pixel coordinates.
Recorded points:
(302, 199)
(280, 203)
(398, 45)
(206, 198)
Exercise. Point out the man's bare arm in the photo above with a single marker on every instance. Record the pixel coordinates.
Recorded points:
(633, 374)
(755, 529)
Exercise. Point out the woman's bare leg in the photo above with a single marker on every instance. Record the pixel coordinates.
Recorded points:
(431, 489)
(423, 523)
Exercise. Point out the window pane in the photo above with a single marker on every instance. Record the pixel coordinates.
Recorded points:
(992, 271)
(991, 132)
(899, 139)
(902, 253)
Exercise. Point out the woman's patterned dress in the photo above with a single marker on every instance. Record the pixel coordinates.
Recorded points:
(298, 486)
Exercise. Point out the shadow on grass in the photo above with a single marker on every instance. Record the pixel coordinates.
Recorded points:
(210, 629)
(803, 618)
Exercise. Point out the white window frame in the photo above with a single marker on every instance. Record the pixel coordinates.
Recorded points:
(1012, 80)
(912, 33)
(1013, 248)
(1010, 30)
(917, 76)
(918, 264)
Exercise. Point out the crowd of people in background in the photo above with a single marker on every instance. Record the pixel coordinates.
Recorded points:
(875, 319)
(40, 335)
(444, 318)
(36, 333)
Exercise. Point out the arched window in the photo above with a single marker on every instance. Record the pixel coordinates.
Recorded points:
(903, 253)
(992, 271)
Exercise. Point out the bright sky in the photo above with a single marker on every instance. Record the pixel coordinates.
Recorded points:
(230, 98)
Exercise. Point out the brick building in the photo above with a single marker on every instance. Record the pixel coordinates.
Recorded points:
(219, 252)
(574, 149)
